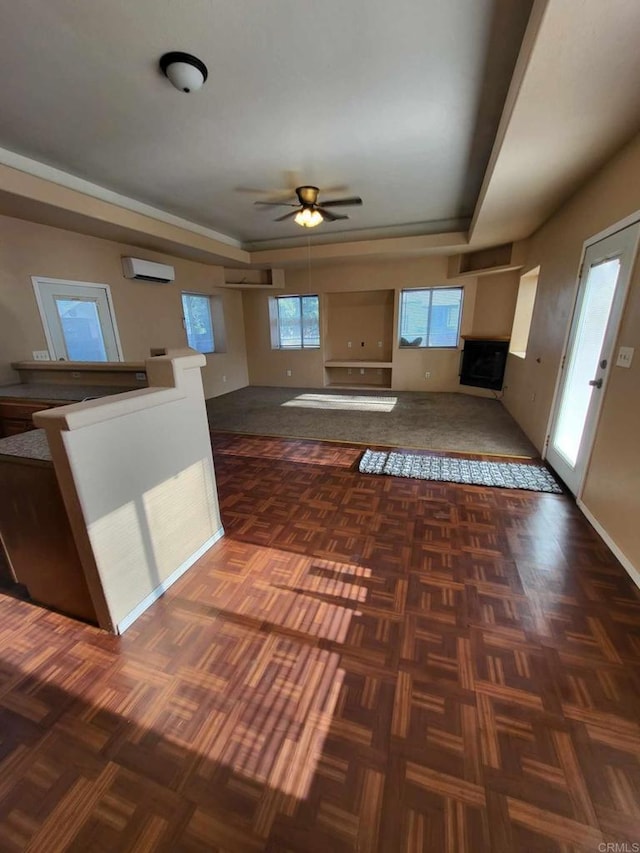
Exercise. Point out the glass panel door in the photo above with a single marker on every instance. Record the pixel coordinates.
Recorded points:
(599, 304)
(81, 329)
(78, 320)
(582, 364)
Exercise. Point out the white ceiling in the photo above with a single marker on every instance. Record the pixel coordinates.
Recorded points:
(461, 124)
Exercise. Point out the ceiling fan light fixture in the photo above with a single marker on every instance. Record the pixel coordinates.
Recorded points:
(308, 217)
(186, 72)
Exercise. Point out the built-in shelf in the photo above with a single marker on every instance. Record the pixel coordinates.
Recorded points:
(357, 374)
(252, 279)
(486, 337)
(121, 373)
(357, 363)
(70, 366)
(359, 339)
(497, 259)
(348, 386)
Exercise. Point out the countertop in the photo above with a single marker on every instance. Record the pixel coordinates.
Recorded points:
(67, 393)
(27, 445)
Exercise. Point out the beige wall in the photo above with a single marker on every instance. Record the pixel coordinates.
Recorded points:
(612, 487)
(362, 318)
(148, 315)
(489, 304)
(495, 304)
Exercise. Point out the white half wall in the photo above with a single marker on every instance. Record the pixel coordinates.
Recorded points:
(137, 477)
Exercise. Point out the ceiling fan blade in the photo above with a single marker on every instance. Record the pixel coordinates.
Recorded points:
(328, 215)
(343, 202)
(286, 216)
(278, 203)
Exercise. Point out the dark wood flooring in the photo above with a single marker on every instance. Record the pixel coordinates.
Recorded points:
(362, 664)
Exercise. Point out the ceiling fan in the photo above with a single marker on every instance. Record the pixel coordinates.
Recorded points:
(308, 212)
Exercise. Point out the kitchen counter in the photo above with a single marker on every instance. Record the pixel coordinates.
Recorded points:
(19, 402)
(27, 445)
(58, 392)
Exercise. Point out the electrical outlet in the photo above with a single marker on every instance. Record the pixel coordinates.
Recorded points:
(224, 378)
(141, 376)
(41, 355)
(362, 371)
(379, 344)
(288, 373)
(625, 357)
(349, 344)
(427, 374)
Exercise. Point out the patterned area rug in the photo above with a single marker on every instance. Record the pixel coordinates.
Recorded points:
(505, 475)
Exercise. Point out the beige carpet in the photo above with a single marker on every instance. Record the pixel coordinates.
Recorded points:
(435, 421)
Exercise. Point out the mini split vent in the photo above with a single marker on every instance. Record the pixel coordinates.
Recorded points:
(141, 270)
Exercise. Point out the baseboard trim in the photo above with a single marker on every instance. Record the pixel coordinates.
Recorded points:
(130, 618)
(630, 569)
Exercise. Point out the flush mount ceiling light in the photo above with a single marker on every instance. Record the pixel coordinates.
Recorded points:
(187, 73)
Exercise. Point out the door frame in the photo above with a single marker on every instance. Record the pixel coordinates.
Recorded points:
(40, 279)
(632, 219)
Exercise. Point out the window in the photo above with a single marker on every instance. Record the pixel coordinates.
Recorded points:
(197, 321)
(524, 313)
(78, 320)
(430, 317)
(298, 322)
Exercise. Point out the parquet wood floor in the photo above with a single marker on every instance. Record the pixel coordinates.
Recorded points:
(362, 664)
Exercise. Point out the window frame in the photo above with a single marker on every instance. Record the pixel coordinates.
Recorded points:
(523, 313)
(431, 291)
(277, 342)
(208, 297)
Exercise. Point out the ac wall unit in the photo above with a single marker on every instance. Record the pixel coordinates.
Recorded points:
(147, 270)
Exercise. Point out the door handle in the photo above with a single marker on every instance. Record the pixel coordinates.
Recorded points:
(597, 383)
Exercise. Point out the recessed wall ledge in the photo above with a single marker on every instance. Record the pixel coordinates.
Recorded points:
(164, 374)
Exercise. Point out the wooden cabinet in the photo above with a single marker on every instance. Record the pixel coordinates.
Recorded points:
(37, 538)
(16, 415)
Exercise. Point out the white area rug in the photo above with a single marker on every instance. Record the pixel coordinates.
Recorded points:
(448, 469)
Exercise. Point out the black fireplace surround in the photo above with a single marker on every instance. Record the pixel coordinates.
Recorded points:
(483, 363)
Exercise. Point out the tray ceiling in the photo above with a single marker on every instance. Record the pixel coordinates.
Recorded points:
(461, 124)
(396, 102)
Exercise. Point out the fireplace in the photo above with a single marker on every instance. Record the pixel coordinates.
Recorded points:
(483, 363)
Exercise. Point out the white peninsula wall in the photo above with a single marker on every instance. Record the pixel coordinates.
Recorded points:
(137, 479)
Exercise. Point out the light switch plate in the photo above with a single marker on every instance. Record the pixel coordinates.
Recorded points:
(41, 355)
(625, 357)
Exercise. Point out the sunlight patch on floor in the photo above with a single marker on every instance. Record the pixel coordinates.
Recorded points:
(343, 402)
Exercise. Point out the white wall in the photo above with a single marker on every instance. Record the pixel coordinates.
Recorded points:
(137, 478)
